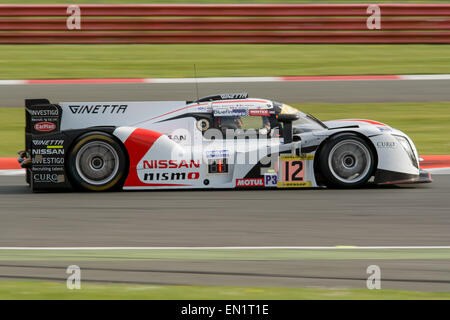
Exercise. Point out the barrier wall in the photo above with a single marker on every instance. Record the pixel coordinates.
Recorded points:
(260, 23)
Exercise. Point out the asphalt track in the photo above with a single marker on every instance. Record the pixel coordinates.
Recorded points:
(388, 216)
(288, 92)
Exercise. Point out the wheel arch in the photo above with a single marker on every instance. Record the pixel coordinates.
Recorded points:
(76, 135)
(317, 155)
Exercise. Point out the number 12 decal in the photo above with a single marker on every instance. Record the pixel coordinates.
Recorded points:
(293, 171)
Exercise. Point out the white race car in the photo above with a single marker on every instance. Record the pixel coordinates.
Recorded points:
(221, 141)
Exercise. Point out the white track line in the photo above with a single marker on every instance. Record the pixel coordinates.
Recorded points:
(12, 82)
(236, 79)
(425, 77)
(12, 172)
(213, 80)
(232, 248)
(439, 170)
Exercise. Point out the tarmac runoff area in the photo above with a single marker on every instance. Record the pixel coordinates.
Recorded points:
(242, 238)
(421, 89)
(234, 238)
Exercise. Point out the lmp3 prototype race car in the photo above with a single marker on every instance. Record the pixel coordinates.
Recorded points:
(221, 141)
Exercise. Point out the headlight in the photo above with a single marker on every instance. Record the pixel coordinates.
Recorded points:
(409, 150)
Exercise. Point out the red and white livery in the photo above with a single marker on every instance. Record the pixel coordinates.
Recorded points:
(221, 141)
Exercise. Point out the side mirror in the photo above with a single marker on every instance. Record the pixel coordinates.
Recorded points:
(287, 119)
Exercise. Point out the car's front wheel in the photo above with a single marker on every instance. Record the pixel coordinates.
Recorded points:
(97, 162)
(346, 161)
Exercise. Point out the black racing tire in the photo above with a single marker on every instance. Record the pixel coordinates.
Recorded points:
(97, 162)
(346, 161)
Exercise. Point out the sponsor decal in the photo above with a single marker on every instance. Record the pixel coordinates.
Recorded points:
(384, 129)
(99, 109)
(48, 143)
(48, 178)
(228, 112)
(288, 157)
(43, 113)
(255, 182)
(37, 168)
(49, 151)
(234, 96)
(204, 108)
(293, 171)
(213, 154)
(386, 144)
(259, 112)
(178, 138)
(305, 184)
(171, 164)
(171, 176)
(39, 159)
(270, 179)
(45, 126)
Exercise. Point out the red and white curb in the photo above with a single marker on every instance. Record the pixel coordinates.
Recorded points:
(436, 164)
(228, 79)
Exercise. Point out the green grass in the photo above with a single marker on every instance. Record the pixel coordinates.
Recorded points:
(91, 290)
(12, 131)
(141, 61)
(426, 123)
(58, 291)
(223, 254)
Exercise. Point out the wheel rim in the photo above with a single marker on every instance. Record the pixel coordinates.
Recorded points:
(97, 163)
(349, 161)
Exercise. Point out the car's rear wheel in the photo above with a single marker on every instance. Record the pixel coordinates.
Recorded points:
(346, 161)
(97, 162)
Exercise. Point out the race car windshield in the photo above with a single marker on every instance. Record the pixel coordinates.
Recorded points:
(305, 120)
